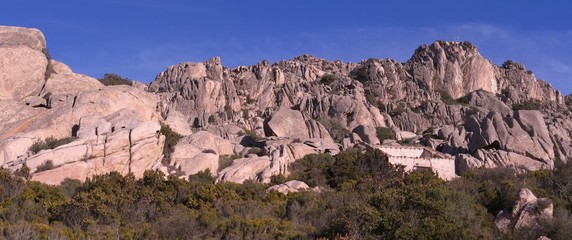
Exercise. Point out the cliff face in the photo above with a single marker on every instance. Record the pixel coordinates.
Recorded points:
(114, 128)
(446, 97)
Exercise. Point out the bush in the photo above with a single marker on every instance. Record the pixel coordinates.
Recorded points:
(171, 139)
(110, 79)
(327, 79)
(252, 134)
(384, 133)
(45, 166)
(401, 108)
(530, 104)
(49, 143)
(225, 161)
(447, 99)
(337, 131)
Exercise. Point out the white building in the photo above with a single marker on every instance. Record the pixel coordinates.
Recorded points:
(421, 158)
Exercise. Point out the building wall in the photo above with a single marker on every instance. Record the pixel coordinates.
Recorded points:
(398, 151)
(412, 157)
(443, 167)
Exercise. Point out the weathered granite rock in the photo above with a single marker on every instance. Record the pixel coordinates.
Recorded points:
(526, 134)
(190, 159)
(63, 80)
(178, 122)
(367, 133)
(20, 36)
(207, 141)
(288, 123)
(23, 72)
(528, 217)
(244, 169)
(288, 187)
(124, 150)
(454, 67)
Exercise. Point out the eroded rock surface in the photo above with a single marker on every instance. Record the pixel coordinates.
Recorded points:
(529, 216)
(447, 97)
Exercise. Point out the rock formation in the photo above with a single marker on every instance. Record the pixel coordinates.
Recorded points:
(528, 217)
(115, 128)
(447, 97)
(288, 187)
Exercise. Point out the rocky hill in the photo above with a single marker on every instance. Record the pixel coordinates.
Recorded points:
(252, 122)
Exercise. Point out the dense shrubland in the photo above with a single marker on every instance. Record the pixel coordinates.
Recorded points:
(361, 196)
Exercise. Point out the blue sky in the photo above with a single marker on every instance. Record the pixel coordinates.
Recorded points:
(139, 38)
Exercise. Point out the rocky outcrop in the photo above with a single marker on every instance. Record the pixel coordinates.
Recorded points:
(530, 216)
(525, 134)
(447, 97)
(190, 159)
(103, 147)
(244, 169)
(115, 128)
(454, 67)
(200, 151)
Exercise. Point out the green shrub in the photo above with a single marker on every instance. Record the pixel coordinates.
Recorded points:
(45, 166)
(49, 143)
(171, 139)
(447, 99)
(531, 104)
(110, 79)
(328, 79)
(384, 133)
(252, 134)
(337, 131)
(225, 161)
(401, 108)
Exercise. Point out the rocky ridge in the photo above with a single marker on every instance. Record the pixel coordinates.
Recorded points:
(446, 97)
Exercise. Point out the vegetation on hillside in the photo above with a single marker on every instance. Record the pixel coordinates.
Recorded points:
(362, 197)
(109, 79)
(49, 143)
(171, 139)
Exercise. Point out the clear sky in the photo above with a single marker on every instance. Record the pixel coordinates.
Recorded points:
(139, 38)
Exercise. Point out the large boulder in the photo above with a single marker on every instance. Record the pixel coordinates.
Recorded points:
(120, 108)
(288, 187)
(244, 169)
(22, 72)
(19, 36)
(529, 218)
(62, 80)
(191, 159)
(207, 141)
(288, 123)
